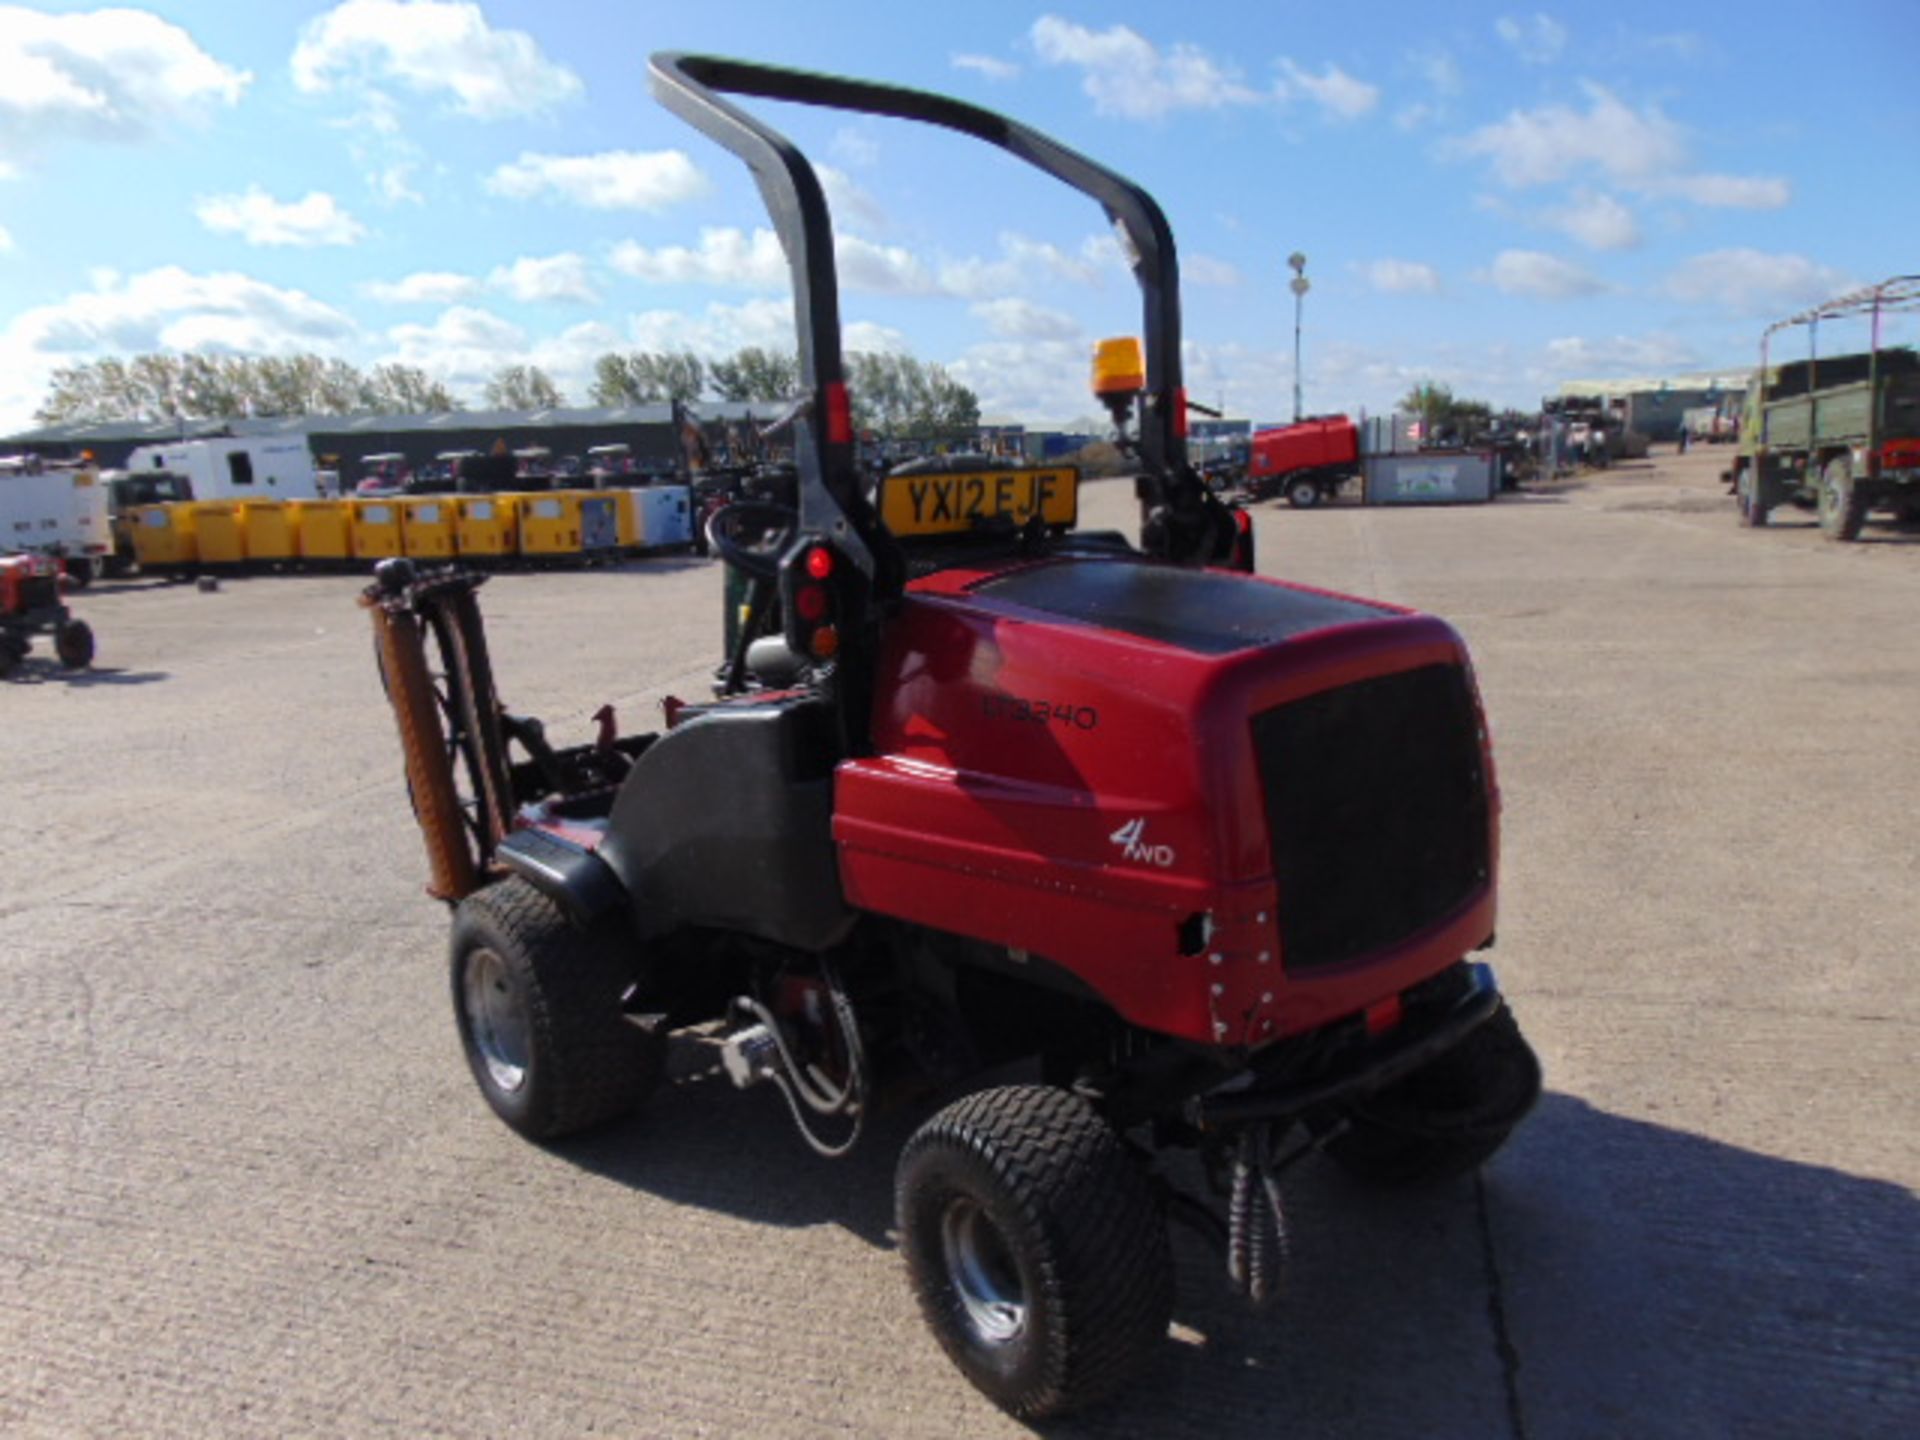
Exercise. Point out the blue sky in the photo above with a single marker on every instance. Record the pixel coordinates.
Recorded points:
(1500, 199)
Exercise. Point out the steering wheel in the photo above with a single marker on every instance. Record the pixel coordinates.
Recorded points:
(751, 535)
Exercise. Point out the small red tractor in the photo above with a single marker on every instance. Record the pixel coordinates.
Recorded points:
(1199, 855)
(32, 602)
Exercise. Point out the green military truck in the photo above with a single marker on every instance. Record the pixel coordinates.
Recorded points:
(1840, 434)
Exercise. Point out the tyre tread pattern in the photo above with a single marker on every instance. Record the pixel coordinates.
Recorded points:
(1107, 1266)
(597, 1068)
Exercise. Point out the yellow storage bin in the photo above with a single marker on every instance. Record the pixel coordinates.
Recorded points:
(163, 537)
(268, 526)
(486, 527)
(323, 531)
(219, 534)
(550, 525)
(427, 527)
(627, 517)
(375, 529)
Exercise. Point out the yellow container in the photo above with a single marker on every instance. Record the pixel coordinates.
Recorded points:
(486, 527)
(268, 525)
(628, 515)
(323, 531)
(427, 527)
(375, 529)
(550, 525)
(219, 533)
(163, 537)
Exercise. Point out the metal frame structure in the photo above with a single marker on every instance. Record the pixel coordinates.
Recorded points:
(831, 499)
(1901, 293)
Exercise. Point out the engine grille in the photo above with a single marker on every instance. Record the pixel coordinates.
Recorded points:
(1376, 807)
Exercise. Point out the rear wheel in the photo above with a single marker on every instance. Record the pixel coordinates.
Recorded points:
(1753, 512)
(1843, 504)
(73, 643)
(1448, 1117)
(13, 649)
(1036, 1248)
(1304, 494)
(537, 1001)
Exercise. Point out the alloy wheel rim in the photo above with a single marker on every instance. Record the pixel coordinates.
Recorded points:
(981, 1269)
(496, 1020)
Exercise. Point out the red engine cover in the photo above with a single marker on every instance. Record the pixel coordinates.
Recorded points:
(1309, 445)
(1064, 766)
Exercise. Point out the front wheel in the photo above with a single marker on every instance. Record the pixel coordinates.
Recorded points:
(1448, 1117)
(1036, 1248)
(1304, 494)
(537, 1002)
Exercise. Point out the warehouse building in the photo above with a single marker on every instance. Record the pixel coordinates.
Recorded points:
(1654, 404)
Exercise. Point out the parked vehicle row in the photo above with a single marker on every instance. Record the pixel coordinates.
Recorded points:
(558, 526)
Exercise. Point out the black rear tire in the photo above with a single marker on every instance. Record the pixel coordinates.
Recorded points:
(537, 1003)
(73, 644)
(1036, 1247)
(1753, 511)
(1448, 1117)
(1304, 494)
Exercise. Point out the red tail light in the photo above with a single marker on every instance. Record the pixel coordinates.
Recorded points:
(839, 414)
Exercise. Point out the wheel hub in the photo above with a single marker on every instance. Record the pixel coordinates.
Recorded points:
(496, 1020)
(981, 1270)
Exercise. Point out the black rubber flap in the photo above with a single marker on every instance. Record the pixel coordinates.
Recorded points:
(1209, 612)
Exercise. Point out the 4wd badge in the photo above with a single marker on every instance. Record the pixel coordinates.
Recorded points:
(1131, 838)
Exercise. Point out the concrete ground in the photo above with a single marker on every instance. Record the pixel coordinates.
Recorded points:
(246, 1186)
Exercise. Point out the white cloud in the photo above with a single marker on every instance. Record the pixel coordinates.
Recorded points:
(259, 219)
(987, 65)
(1537, 40)
(464, 346)
(1205, 270)
(424, 287)
(1542, 277)
(725, 256)
(855, 147)
(649, 180)
(1403, 277)
(552, 278)
(1127, 75)
(865, 335)
(1554, 142)
(1731, 192)
(432, 48)
(117, 75)
(6, 240)
(1024, 261)
(1755, 282)
(1596, 220)
(848, 201)
(164, 309)
(1023, 320)
(717, 330)
(1640, 150)
(1337, 93)
(1618, 355)
(883, 269)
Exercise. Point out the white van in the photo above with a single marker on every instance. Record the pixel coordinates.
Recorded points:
(56, 508)
(251, 469)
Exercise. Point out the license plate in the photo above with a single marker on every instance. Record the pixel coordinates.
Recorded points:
(955, 504)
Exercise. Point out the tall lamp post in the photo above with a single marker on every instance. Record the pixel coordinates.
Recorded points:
(1299, 286)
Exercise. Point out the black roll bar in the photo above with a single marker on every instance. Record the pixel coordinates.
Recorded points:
(830, 496)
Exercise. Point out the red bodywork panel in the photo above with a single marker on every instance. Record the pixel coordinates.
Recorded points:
(1309, 445)
(1081, 793)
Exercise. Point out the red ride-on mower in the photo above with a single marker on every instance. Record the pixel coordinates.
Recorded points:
(32, 603)
(1205, 851)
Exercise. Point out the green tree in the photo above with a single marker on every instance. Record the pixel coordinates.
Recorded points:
(523, 387)
(408, 390)
(174, 387)
(1441, 410)
(647, 376)
(903, 399)
(754, 373)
